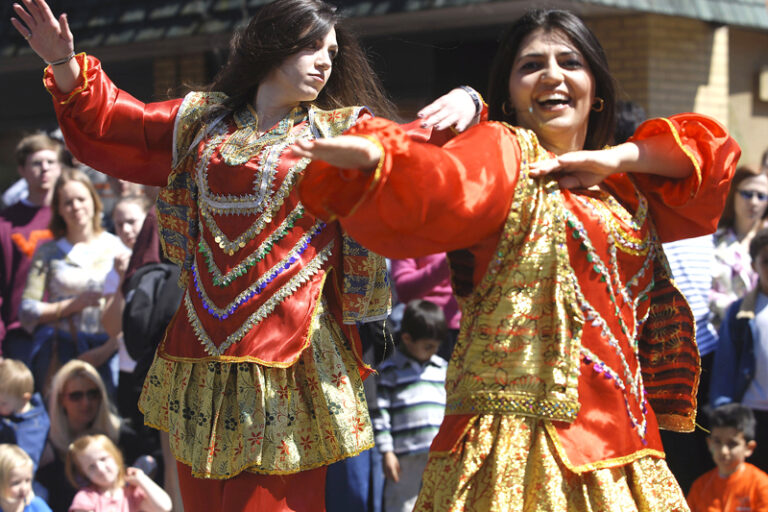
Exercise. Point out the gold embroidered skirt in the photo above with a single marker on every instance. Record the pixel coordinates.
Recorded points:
(224, 418)
(508, 463)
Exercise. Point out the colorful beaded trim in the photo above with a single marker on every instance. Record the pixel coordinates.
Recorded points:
(627, 242)
(266, 205)
(301, 277)
(260, 284)
(260, 200)
(220, 279)
(631, 382)
(641, 426)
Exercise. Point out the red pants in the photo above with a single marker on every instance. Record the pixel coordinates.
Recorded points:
(300, 492)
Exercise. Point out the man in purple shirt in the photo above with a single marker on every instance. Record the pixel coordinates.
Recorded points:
(23, 227)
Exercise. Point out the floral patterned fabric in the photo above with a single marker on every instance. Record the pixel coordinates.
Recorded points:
(509, 462)
(259, 370)
(224, 418)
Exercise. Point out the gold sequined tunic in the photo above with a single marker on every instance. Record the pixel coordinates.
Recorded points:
(260, 368)
(574, 345)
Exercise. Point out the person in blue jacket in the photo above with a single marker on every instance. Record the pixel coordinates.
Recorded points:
(740, 370)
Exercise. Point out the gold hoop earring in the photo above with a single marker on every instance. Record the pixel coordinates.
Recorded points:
(599, 104)
(505, 109)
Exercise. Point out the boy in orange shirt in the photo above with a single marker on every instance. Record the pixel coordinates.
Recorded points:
(734, 485)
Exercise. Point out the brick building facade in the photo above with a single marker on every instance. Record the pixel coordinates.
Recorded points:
(701, 55)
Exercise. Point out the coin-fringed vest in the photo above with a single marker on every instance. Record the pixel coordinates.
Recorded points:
(254, 262)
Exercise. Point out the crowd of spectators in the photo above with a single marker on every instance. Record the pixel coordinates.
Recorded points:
(69, 371)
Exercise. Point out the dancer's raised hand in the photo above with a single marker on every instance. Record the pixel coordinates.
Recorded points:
(459, 108)
(50, 38)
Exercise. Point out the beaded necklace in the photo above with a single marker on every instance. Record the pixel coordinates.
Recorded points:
(261, 200)
(262, 203)
(246, 141)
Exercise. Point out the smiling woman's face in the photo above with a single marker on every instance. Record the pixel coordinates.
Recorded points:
(552, 90)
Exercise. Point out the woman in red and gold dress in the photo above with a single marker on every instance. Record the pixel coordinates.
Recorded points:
(574, 346)
(259, 378)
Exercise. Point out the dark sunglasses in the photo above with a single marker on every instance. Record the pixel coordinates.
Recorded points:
(91, 394)
(751, 194)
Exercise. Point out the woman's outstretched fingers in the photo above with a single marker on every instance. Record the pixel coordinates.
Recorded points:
(303, 148)
(346, 152)
(48, 36)
(544, 167)
(25, 28)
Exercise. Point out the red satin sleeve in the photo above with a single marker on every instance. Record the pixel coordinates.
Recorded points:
(112, 131)
(422, 199)
(690, 207)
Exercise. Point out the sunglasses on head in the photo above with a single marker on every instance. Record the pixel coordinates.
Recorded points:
(751, 194)
(91, 394)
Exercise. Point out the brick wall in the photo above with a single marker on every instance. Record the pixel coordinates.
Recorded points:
(668, 64)
(748, 115)
(172, 74)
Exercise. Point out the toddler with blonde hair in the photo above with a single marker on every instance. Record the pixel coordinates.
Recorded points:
(23, 418)
(16, 471)
(95, 465)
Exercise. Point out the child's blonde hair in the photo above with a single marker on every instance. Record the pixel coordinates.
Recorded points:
(15, 378)
(75, 473)
(11, 457)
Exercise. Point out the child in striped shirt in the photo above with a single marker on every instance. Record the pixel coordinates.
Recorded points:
(410, 403)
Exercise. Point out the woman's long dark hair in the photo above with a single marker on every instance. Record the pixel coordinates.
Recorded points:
(601, 124)
(281, 29)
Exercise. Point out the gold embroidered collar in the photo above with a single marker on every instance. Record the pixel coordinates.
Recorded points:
(246, 141)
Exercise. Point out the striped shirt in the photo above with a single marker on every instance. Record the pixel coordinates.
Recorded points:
(692, 262)
(410, 403)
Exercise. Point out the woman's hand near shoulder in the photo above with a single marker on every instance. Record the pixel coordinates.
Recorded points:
(460, 108)
(583, 169)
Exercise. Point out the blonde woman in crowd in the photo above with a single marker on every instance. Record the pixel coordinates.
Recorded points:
(79, 405)
(64, 297)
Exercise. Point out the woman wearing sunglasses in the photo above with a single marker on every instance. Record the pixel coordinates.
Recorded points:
(742, 217)
(79, 405)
